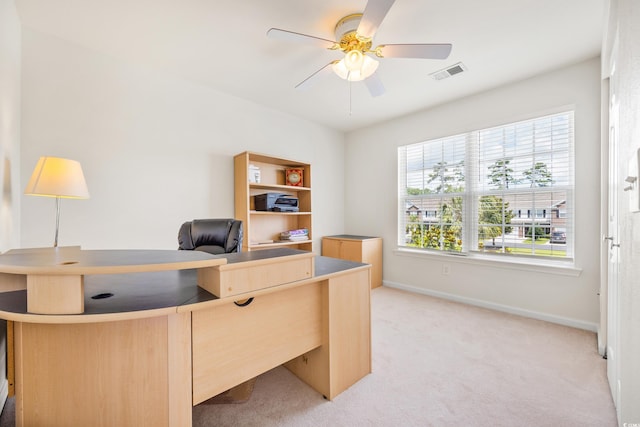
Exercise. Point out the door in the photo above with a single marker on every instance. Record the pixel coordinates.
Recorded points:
(613, 243)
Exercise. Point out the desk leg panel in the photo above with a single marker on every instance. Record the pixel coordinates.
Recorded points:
(345, 354)
(349, 329)
(97, 374)
(313, 367)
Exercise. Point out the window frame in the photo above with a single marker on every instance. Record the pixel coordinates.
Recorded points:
(470, 223)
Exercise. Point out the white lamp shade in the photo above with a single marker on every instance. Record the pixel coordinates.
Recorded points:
(57, 177)
(369, 66)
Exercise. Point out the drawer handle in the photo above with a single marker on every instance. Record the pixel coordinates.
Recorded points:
(244, 303)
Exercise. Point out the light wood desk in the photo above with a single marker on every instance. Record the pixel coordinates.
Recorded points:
(161, 344)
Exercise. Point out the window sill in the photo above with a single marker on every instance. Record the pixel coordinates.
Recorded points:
(564, 268)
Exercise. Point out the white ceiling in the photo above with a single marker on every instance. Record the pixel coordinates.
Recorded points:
(223, 44)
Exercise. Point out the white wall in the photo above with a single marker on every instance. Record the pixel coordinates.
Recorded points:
(625, 84)
(9, 151)
(156, 150)
(9, 125)
(371, 203)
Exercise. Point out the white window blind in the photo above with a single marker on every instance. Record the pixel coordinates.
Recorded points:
(506, 190)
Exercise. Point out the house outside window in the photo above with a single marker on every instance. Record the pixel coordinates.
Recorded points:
(506, 190)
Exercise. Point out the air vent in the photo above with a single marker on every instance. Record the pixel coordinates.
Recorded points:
(449, 71)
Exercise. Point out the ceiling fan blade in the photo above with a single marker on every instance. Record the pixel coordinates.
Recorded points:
(374, 84)
(423, 51)
(374, 13)
(309, 81)
(278, 34)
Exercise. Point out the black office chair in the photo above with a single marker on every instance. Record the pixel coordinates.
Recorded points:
(216, 236)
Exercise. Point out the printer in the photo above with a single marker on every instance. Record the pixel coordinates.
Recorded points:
(276, 202)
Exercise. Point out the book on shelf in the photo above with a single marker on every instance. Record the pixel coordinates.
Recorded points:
(297, 232)
(295, 238)
(295, 235)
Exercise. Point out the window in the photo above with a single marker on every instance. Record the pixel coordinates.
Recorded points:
(504, 190)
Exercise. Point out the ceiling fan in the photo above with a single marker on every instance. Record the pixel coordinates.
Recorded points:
(354, 34)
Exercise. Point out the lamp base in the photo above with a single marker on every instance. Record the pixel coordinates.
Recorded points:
(55, 239)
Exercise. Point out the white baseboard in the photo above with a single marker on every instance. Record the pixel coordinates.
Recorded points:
(580, 324)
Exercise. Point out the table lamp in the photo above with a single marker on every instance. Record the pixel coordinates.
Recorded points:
(59, 178)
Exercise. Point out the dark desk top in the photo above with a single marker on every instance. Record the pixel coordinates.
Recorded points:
(74, 261)
(261, 254)
(130, 292)
(161, 289)
(351, 237)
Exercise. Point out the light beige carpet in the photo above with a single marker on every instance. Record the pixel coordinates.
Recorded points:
(440, 363)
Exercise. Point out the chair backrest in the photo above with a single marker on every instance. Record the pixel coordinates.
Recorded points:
(216, 236)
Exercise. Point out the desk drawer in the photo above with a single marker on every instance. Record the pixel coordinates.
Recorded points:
(233, 344)
(241, 277)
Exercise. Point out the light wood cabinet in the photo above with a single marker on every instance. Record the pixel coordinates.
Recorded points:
(262, 228)
(359, 249)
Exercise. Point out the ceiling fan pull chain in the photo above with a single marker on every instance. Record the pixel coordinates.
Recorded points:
(350, 98)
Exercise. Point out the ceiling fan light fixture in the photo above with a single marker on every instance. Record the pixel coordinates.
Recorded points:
(368, 67)
(353, 36)
(354, 60)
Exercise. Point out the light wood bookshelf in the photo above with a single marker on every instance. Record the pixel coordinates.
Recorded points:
(262, 228)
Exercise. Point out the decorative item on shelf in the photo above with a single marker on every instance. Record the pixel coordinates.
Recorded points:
(59, 178)
(254, 174)
(298, 235)
(293, 176)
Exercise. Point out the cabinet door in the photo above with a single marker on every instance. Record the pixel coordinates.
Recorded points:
(351, 250)
(331, 248)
